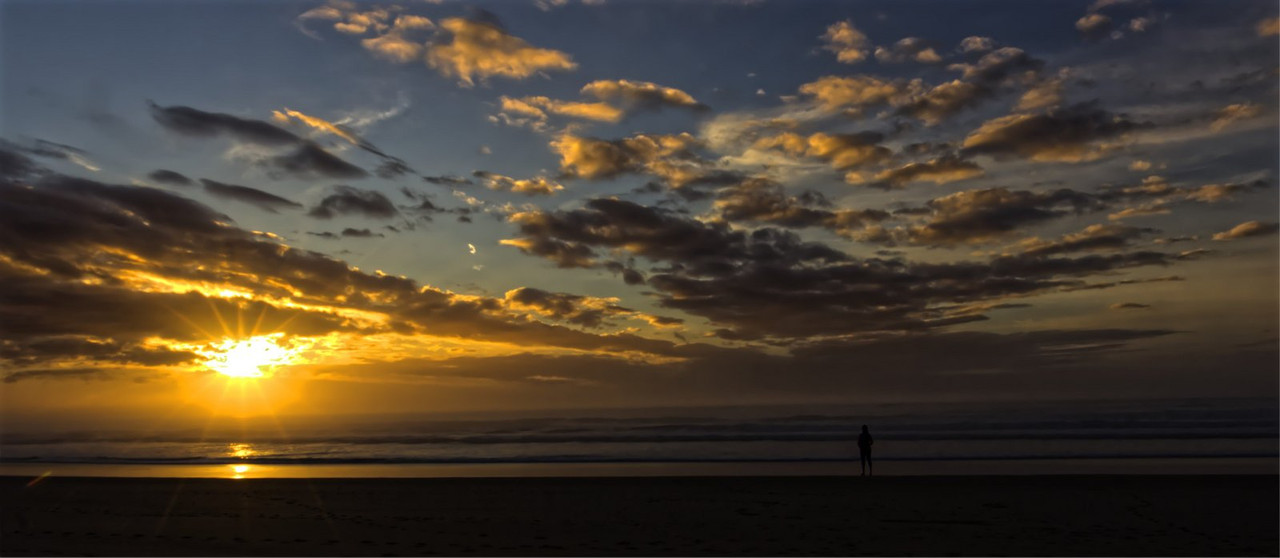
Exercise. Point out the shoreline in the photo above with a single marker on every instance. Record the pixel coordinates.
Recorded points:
(962, 467)
(1077, 515)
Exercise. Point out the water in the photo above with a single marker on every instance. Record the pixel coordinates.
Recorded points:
(909, 438)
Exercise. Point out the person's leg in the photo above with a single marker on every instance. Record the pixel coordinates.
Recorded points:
(862, 458)
(871, 470)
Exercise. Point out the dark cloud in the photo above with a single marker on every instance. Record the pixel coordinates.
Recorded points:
(361, 233)
(14, 164)
(1068, 134)
(252, 196)
(569, 237)
(909, 49)
(763, 201)
(1129, 306)
(172, 178)
(392, 169)
(575, 309)
(60, 231)
(943, 170)
(309, 160)
(304, 158)
(981, 215)
(194, 122)
(984, 79)
(447, 180)
(768, 284)
(1093, 237)
(346, 200)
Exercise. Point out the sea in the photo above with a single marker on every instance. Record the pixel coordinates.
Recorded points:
(1196, 436)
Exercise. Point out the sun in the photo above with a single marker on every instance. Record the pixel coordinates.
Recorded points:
(252, 357)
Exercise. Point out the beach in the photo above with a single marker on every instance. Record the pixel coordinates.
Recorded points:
(643, 516)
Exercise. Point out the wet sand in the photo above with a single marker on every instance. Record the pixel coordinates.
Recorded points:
(990, 515)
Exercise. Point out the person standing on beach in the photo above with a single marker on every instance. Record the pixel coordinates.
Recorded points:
(864, 450)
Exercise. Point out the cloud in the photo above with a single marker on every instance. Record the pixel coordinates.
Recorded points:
(842, 151)
(848, 43)
(53, 150)
(910, 48)
(309, 160)
(1129, 306)
(534, 111)
(1093, 237)
(394, 45)
(1141, 24)
(766, 202)
(1071, 134)
(585, 157)
(1094, 25)
(935, 105)
(391, 167)
(194, 122)
(1268, 27)
(361, 233)
(625, 96)
(346, 200)
(977, 44)
(448, 180)
(979, 82)
(636, 95)
(856, 92)
(262, 200)
(769, 284)
(1248, 229)
(536, 186)
(943, 170)
(974, 216)
(169, 177)
(1046, 94)
(1233, 113)
(126, 271)
(315, 123)
(576, 309)
(304, 159)
(482, 49)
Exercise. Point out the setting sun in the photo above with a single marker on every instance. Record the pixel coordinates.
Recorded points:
(254, 357)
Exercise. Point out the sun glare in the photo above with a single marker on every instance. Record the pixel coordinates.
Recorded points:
(254, 357)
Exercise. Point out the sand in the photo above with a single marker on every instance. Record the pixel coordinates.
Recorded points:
(1025, 515)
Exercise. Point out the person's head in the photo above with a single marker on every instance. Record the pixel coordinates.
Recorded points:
(864, 428)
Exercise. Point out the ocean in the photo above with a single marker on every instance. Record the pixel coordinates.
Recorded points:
(963, 438)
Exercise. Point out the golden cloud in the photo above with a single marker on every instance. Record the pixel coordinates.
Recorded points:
(836, 92)
(1269, 27)
(639, 93)
(478, 49)
(1247, 229)
(594, 158)
(849, 44)
(842, 151)
(1232, 113)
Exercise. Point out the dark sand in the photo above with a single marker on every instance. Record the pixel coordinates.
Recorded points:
(1046, 515)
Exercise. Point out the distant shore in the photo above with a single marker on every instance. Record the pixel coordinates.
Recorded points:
(659, 516)
(727, 468)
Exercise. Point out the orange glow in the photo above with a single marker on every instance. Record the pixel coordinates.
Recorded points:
(255, 357)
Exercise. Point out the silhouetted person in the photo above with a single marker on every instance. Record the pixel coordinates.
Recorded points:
(864, 450)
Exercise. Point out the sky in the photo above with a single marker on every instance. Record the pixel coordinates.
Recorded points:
(220, 208)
